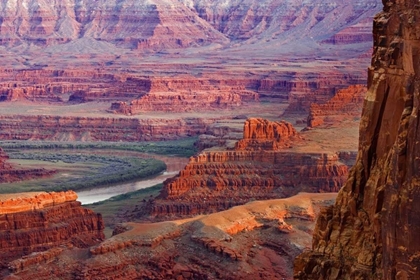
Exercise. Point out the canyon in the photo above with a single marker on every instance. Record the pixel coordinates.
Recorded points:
(258, 167)
(245, 241)
(264, 87)
(371, 231)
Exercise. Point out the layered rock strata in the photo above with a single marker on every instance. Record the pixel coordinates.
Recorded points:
(257, 168)
(372, 230)
(172, 24)
(36, 222)
(61, 128)
(185, 101)
(244, 242)
(346, 104)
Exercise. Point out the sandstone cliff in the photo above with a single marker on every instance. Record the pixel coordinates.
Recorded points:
(372, 230)
(35, 222)
(258, 167)
(346, 104)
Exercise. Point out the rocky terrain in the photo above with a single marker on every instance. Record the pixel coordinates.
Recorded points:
(37, 222)
(10, 173)
(137, 61)
(243, 242)
(259, 167)
(164, 69)
(346, 104)
(372, 230)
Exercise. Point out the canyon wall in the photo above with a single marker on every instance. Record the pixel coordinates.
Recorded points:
(372, 230)
(242, 243)
(185, 95)
(346, 104)
(60, 128)
(259, 167)
(157, 25)
(36, 222)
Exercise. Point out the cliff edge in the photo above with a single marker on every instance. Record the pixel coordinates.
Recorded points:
(372, 230)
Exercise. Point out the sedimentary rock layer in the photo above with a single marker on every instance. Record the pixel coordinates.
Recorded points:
(35, 222)
(157, 25)
(21, 127)
(372, 230)
(241, 243)
(346, 104)
(258, 168)
(187, 95)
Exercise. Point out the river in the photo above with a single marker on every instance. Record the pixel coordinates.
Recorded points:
(173, 166)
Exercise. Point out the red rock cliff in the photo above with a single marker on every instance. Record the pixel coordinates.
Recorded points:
(34, 222)
(256, 169)
(346, 104)
(372, 232)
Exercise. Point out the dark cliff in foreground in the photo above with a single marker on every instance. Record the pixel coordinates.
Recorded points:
(372, 232)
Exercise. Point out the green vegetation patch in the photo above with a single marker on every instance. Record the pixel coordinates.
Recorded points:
(81, 170)
(181, 148)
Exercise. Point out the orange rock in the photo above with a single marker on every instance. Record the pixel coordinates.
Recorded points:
(35, 222)
(346, 104)
(256, 169)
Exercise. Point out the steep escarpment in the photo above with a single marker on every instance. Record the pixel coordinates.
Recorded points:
(127, 23)
(346, 104)
(258, 167)
(36, 222)
(372, 230)
(61, 128)
(157, 25)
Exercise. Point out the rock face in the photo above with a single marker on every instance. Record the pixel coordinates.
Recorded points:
(261, 134)
(157, 25)
(257, 168)
(241, 243)
(35, 222)
(187, 95)
(60, 128)
(372, 230)
(346, 104)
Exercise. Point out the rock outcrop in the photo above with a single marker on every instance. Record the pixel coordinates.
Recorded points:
(245, 242)
(261, 134)
(258, 167)
(36, 222)
(372, 230)
(169, 95)
(346, 104)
